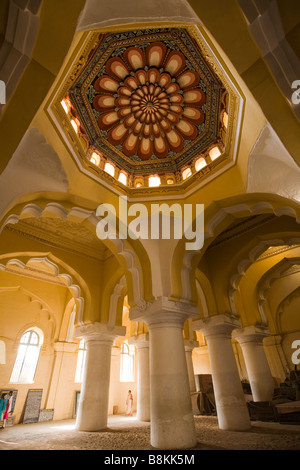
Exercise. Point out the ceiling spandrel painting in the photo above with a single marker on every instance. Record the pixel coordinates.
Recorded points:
(148, 106)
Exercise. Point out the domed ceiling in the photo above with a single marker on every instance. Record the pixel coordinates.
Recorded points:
(147, 104)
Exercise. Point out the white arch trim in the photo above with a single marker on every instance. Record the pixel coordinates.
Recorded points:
(51, 270)
(283, 304)
(236, 210)
(272, 275)
(245, 263)
(114, 299)
(79, 215)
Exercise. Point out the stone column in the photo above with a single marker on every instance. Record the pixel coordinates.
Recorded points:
(230, 402)
(64, 363)
(189, 345)
(93, 406)
(141, 342)
(172, 422)
(114, 378)
(260, 378)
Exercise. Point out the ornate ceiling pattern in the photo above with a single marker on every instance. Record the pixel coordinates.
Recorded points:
(148, 104)
(148, 100)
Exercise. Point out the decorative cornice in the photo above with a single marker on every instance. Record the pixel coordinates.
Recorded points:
(217, 325)
(250, 334)
(164, 312)
(99, 332)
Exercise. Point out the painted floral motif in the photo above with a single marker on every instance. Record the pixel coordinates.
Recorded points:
(149, 101)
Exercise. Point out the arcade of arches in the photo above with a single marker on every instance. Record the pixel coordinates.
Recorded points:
(181, 102)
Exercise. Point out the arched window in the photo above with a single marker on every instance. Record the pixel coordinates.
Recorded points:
(123, 178)
(80, 361)
(154, 181)
(127, 363)
(27, 358)
(109, 168)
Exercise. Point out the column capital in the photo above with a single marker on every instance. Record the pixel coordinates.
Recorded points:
(250, 334)
(139, 341)
(164, 312)
(190, 344)
(217, 325)
(99, 332)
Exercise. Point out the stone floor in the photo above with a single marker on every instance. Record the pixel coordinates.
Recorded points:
(127, 433)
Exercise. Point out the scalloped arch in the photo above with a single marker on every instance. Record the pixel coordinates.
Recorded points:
(132, 256)
(282, 306)
(218, 216)
(64, 278)
(257, 247)
(265, 283)
(44, 308)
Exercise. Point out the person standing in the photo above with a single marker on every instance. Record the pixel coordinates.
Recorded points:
(3, 402)
(8, 407)
(129, 402)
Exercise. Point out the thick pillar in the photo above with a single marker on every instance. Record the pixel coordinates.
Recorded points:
(141, 342)
(230, 402)
(63, 371)
(114, 379)
(260, 378)
(93, 406)
(172, 422)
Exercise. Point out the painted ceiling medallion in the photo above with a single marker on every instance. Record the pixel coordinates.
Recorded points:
(148, 101)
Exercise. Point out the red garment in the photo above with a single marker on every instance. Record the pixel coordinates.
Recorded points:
(7, 408)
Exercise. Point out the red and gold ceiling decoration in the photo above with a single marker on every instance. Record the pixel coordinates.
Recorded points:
(148, 102)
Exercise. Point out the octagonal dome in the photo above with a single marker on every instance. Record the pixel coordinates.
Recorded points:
(148, 107)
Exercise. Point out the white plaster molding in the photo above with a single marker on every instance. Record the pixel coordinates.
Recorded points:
(250, 334)
(217, 325)
(276, 272)
(266, 28)
(202, 299)
(97, 15)
(32, 269)
(236, 210)
(20, 35)
(44, 311)
(245, 263)
(34, 166)
(270, 167)
(99, 332)
(283, 305)
(163, 312)
(114, 299)
(79, 215)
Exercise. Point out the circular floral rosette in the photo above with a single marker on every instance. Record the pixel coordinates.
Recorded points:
(149, 102)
